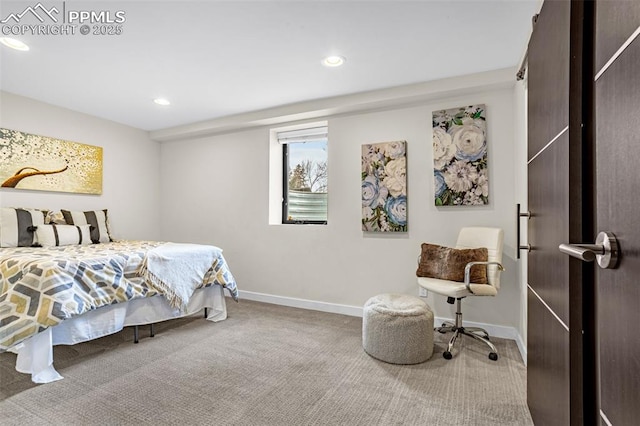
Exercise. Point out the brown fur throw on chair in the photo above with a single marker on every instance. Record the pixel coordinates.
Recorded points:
(448, 263)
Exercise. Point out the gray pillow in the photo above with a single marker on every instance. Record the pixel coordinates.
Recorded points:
(96, 218)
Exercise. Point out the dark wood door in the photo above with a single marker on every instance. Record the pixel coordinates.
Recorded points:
(617, 135)
(554, 365)
(584, 150)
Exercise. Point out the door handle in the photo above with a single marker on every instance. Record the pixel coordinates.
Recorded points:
(519, 246)
(605, 251)
(584, 252)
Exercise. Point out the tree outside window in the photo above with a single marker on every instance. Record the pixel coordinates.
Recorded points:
(305, 181)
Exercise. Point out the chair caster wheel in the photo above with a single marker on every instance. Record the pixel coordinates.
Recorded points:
(493, 356)
(447, 355)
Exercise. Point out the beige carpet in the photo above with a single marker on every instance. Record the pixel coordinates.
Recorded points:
(264, 365)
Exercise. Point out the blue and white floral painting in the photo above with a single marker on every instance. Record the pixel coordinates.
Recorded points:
(384, 187)
(460, 156)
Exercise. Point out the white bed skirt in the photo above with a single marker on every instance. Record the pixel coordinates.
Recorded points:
(35, 355)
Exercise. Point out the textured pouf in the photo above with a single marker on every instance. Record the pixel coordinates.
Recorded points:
(398, 329)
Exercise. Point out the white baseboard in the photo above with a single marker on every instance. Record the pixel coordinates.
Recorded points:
(354, 311)
(522, 348)
(501, 331)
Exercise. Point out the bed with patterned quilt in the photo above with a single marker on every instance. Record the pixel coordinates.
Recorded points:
(73, 293)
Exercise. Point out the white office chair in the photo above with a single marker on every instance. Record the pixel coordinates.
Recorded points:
(472, 237)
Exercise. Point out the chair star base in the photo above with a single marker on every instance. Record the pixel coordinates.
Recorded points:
(480, 334)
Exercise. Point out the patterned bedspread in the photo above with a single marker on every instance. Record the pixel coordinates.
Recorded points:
(40, 287)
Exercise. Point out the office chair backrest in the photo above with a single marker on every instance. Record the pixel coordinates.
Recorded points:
(492, 239)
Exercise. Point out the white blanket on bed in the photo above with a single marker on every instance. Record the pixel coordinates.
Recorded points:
(176, 270)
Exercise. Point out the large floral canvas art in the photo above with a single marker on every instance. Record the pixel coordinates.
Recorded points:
(384, 187)
(460, 156)
(29, 161)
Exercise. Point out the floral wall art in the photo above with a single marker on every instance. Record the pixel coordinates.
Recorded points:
(460, 156)
(384, 187)
(29, 161)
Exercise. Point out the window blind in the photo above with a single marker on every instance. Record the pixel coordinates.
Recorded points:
(303, 135)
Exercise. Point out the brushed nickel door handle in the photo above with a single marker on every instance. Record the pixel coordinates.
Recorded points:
(519, 246)
(605, 251)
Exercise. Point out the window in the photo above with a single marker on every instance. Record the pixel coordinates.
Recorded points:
(304, 177)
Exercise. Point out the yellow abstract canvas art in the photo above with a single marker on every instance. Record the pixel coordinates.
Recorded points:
(42, 163)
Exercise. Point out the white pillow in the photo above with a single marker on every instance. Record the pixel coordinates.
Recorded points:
(63, 235)
(17, 226)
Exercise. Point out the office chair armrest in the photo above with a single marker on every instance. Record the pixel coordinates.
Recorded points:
(467, 272)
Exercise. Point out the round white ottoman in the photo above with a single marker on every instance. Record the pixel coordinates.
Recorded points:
(398, 329)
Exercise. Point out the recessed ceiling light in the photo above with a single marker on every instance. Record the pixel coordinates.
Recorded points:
(14, 44)
(333, 61)
(162, 101)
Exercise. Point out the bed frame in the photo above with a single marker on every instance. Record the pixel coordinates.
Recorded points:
(35, 355)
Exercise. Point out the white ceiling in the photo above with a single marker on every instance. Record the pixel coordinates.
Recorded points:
(214, 59)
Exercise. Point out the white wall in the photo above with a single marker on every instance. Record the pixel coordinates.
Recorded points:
(215, 190)
(520, 107)
(131, 172)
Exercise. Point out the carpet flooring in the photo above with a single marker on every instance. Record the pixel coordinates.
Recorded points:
(264, 365)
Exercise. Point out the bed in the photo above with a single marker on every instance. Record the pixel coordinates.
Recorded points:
(63, 295)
